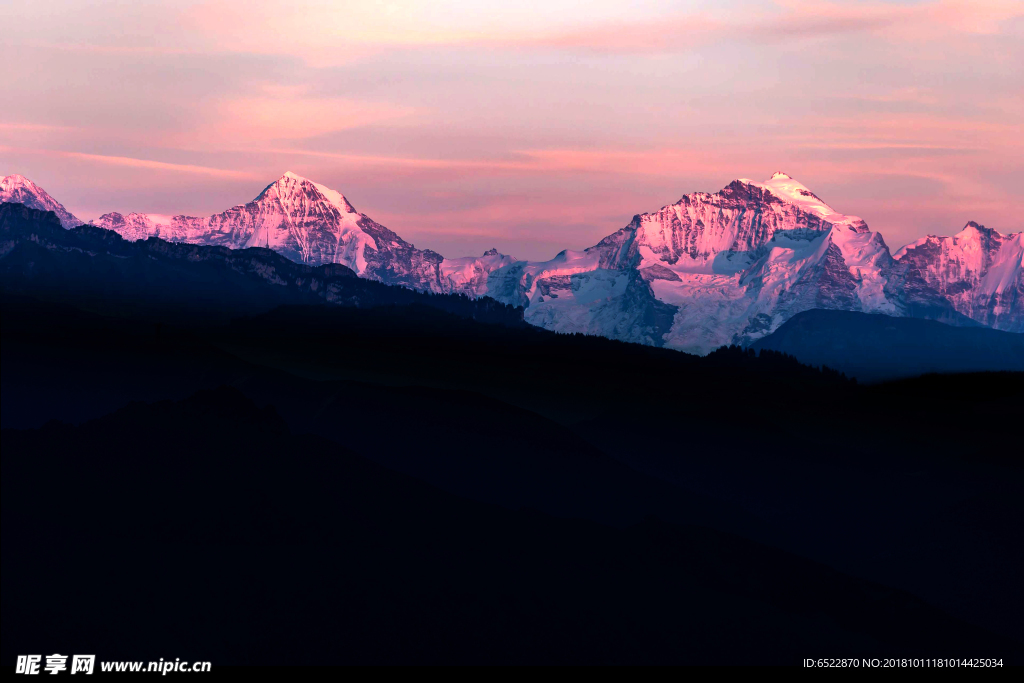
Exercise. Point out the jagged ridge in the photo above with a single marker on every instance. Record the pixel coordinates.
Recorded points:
(712, 269)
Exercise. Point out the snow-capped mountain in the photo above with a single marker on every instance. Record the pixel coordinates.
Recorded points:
(978, 272)
(18, 188)
(712, 269)
(304, 221)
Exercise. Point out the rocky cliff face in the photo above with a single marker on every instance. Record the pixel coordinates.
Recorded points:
(709, 270)
(977, 273)
(740, 219)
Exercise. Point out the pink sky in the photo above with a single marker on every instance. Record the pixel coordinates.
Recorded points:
(530, 126)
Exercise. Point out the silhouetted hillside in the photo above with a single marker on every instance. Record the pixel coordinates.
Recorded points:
(874, 347)
(870, 480)
(206, 528)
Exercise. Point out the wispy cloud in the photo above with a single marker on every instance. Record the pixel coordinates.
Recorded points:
(884, 146)
(400, 162)
(135, 163)
(107, 49)
(326, 33)
(33, 127)
(538, 161)
(284, 113)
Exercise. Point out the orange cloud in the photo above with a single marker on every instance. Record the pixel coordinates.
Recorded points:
(324, 34)
(280, 113)
(339, 32)
(262, 118)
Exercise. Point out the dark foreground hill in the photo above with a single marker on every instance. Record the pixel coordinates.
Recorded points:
(874, 347)
(627, 456)
(204, 529)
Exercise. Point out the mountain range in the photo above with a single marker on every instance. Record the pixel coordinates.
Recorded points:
(423, 477)
(712, 269)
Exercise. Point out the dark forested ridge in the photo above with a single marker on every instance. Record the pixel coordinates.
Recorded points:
(262, 477)
(873, 347)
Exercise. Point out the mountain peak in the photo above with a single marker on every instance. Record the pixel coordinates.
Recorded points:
(18, 188)
(976, 232)
(335, 197)
(793, 191)
(16, 181)
(293, 185)
(973, 228)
